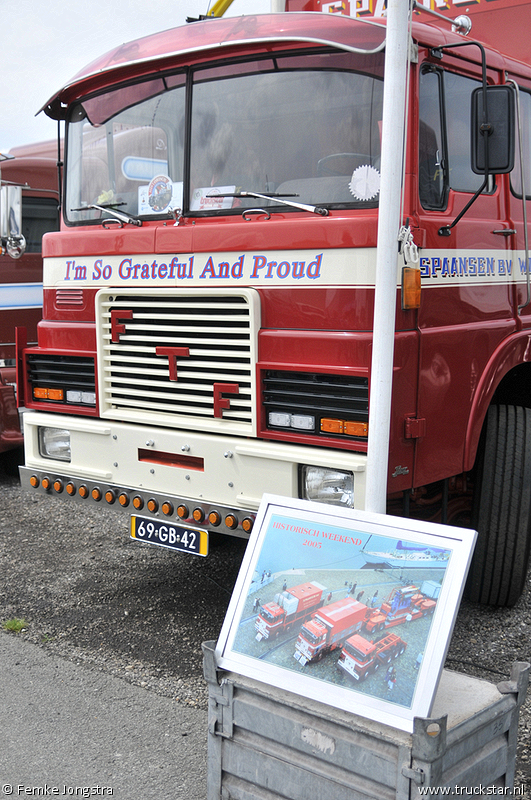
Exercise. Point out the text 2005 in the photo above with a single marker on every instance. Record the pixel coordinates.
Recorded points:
(311, 543)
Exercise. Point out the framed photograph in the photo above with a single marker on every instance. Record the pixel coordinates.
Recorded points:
(346, 607)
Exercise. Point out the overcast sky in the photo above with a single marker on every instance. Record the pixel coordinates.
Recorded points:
(46, 44)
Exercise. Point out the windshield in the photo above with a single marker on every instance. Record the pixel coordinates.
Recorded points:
(302, 127)
(357, 654)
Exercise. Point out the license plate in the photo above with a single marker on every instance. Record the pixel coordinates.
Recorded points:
(166, 534)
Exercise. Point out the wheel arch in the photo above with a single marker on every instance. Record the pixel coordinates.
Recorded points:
(506, 379)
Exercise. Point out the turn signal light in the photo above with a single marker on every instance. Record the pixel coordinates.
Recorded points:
(231, 521)
(348, 428)
(247, 524)
(42, 393)
(198, 514)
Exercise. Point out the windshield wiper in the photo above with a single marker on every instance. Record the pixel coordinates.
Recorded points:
(123, 216)
(274, 195)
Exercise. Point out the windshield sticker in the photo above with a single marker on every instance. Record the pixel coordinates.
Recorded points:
(160, 195)
(211, 197)
(365, 183)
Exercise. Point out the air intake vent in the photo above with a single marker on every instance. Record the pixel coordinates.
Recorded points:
(178, 356)
(318, 395)
(72, 374)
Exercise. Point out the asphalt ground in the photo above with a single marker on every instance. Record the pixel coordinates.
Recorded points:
(104, 688)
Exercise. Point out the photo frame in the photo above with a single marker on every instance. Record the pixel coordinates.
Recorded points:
(346, 607)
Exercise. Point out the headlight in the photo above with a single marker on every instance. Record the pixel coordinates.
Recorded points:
(332, 486)
(55, 443)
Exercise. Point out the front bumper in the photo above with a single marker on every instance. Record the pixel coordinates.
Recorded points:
(226, 474)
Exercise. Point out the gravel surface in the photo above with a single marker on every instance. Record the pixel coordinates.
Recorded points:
(93, 596)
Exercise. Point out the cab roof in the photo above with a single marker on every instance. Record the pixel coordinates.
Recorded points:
(209, 38)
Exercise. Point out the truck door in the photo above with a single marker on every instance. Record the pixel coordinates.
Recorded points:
(466, 302)
(517, 181)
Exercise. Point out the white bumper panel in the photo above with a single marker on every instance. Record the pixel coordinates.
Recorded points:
(230, 471)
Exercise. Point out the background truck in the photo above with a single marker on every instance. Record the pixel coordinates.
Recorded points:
(290, 607)
(210, 298)
(404, 604)
(29, 207)
(359, 657)
(328, 629)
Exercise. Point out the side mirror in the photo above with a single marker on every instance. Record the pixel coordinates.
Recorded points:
(493, 132)
(11, 220)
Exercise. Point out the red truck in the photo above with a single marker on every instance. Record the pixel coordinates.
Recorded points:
(328, 629)
(359, 657)
(210, 299)
(29, 207)
(403, 605)
(290, 607)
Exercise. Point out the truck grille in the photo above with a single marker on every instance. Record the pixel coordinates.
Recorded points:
(318, 394)
(69, 373)
(173, 353)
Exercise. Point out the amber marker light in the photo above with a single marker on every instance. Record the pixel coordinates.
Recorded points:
(167, 508)
(410, 288)
(183, 512)
(138, 502)
(58, 485)
(198, 514)
(231, 521)
(360, 429)
(46, 483)
(34, 481)
(70, 488)
(247, 524)
(123, 499)
(332, 425)
(96, 493)
(110, 496)
(44, 393)
(214, 518)
(152, 505)
(83, 491)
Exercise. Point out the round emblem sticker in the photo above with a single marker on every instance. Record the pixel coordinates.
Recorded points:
(160, 193)
(365, 183)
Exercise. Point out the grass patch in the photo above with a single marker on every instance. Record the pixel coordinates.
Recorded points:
(15, 625)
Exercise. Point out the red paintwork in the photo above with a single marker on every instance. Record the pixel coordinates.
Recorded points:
(449, 356)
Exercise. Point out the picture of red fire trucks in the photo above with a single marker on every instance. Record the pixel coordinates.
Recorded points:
(359, 657)
(294, 605)
(330, 627)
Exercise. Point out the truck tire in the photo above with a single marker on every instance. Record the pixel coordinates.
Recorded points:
(502, 508)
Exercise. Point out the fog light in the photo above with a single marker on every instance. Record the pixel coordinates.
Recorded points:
(332, 486)
(55, 443)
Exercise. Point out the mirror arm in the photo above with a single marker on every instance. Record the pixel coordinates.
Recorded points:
(485, 127)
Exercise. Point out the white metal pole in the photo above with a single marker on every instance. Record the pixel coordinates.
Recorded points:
(393, 121)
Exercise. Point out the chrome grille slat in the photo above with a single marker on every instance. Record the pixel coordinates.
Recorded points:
(219, 328)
